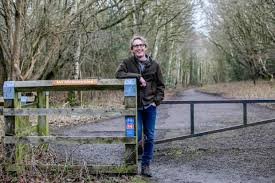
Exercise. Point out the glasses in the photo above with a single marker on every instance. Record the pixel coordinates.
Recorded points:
(138, 45)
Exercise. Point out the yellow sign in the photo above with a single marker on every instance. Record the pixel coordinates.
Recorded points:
(74, 82)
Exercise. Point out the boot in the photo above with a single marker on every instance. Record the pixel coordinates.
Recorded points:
(140, 151)
(146, 171)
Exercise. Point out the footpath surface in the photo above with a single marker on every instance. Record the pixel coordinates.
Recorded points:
(244, 155)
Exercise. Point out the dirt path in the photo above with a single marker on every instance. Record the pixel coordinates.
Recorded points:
(246, 155)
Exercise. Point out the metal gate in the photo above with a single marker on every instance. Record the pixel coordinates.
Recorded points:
(192, 116)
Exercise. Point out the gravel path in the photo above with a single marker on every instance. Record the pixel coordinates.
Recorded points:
(245, 155)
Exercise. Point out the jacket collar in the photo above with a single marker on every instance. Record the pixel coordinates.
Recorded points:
(148, 63)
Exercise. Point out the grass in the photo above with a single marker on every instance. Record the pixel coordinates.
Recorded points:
(243, 90)
(34, 173)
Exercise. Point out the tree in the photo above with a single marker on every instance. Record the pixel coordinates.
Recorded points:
(44, 39)
(244, 32)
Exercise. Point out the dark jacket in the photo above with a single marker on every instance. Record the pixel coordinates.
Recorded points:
(154, 90)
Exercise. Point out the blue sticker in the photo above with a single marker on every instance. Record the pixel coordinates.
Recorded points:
(129, 126)
(8, 90)
(130, 88)
(130, 82)
(24, 99)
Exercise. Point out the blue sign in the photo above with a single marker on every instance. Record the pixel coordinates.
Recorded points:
(130, 88)
(8, 90)
(129, 126)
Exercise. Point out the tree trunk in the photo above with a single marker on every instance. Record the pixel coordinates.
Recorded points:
(15, 62)
(191, 64)
(3, 70)
(77, 58)
(179, 69)
(156, 44)
(170, 60)
(134, 15)
(157, 38)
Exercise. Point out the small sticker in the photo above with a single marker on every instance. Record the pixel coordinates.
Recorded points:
(130, 88)
(24, 99)
(9, 84)
(130, 82)
(8, 90)
(129, 126)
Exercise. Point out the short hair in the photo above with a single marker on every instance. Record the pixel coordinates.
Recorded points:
(140, 38)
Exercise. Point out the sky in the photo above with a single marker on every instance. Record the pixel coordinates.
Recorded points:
(200, 18)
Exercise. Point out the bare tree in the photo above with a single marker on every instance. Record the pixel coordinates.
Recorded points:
(244, 32)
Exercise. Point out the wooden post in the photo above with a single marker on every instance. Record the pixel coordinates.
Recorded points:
(22, 128)
(14, 125)
(22, 123)
(43, 102)
(130, 96)
(8, 91)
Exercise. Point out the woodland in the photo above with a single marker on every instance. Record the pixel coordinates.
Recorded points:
(228, 40)
(196, 43)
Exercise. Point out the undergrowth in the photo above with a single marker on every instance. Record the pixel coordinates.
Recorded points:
(37, 169)
(243, 90)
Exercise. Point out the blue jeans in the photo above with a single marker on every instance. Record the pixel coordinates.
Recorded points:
(147, 120)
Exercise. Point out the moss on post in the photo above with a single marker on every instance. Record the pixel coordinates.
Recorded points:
(43, 102)
(21, 124)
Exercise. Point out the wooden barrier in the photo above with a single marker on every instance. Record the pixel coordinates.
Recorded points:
(1, 101)
(18, 127)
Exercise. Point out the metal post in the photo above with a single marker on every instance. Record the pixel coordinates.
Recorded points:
(245, 113)
(192, 126)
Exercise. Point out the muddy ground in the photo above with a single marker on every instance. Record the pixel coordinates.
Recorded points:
(244, 155)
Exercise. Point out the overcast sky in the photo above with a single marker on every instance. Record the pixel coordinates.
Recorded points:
(200, 18)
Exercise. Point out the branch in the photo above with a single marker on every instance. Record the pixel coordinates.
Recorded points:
(5, 49)
(123, 18)
(41, 70)
(7, 19)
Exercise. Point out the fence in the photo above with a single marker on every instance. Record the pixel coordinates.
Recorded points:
(192, 116)
(18, 127)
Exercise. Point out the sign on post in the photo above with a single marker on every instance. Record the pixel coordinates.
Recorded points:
(130, 88)
(24, 99)
(8, 90)
(129, 126)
